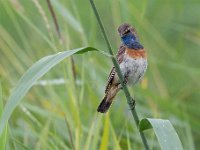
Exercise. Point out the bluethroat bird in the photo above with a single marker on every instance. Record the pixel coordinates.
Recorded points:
(132, 60)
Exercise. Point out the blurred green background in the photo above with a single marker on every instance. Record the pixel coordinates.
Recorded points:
(60, 112)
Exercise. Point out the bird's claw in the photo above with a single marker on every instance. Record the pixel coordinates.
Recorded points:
(132, 104)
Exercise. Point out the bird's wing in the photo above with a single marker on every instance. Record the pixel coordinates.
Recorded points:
(120, 53)
(119, 57)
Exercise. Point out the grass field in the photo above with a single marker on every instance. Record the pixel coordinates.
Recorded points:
(59, 112)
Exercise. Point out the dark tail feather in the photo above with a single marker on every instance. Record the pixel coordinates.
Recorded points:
(104, 105)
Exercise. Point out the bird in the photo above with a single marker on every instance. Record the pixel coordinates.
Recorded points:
(132, 60)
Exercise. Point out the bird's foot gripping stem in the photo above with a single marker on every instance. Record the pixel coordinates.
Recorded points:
(132, 104)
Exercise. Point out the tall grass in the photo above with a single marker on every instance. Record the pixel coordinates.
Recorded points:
(169, 30)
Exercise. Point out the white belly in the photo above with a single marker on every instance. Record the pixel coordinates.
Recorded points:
(134, 69)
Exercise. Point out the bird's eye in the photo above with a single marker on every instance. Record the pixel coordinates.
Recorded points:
(126, 31)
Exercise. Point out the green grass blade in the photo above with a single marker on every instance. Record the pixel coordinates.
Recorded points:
(105, 136)
(21, 145)
(115, 139)
(90, 136)
(35, 72)
(3, 137)
(42, 142)
(165, 132)
(74, 23)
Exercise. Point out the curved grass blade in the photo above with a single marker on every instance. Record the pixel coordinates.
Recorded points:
(35, 72)
(165, 133)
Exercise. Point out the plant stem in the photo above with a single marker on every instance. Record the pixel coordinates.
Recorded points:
(53, 14)
(130, 100)
(54, 19)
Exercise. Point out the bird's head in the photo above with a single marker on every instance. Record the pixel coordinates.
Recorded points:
(128, 34)
(126, 29)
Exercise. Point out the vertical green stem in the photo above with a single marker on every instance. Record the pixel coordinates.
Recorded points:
(130, 100)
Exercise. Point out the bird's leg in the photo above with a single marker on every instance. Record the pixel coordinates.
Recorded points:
(125, 80)
(126, 77)
(132, 104)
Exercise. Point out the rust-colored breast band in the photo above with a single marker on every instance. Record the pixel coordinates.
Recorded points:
(140, 53)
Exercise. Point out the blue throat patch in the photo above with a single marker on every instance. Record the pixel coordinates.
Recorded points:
(131, 41)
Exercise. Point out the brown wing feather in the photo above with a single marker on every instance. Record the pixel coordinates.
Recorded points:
(110, 79)
(119, 57)
(120, 53)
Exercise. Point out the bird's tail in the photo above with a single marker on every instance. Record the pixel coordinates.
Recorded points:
(104, 105)
(107, 100)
